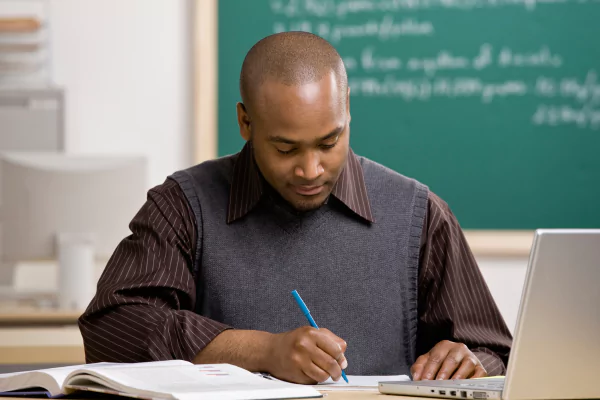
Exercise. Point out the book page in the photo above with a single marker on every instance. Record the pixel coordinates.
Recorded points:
(219, 381)
(228, 382)
(50, 379)
(152, 364)
(103, 373)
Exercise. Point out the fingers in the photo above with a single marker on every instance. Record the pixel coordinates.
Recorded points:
(480, 372)
(451, 363)
(328, 364)
(417, 368)
(307, 355)
(315, 373)
(326, 358)
(341, 342)
(448, 360)
(435, 358)
(469, 368)
(334, 346)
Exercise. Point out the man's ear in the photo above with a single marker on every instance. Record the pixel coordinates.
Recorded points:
(243, 121)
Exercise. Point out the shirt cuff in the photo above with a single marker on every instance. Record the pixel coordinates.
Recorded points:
(492, 363)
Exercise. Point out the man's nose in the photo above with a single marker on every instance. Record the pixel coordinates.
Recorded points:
(310, 167)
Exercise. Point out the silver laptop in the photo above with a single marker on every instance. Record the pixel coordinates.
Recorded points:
(556, 347)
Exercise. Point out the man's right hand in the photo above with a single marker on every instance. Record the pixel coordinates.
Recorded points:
(307, 355)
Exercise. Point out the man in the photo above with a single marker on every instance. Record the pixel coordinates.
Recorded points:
(217, 249)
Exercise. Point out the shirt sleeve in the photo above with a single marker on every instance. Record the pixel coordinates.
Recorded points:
(143, 309)
(454, 300)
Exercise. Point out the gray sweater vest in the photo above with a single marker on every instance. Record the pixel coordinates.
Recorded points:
(358, 279)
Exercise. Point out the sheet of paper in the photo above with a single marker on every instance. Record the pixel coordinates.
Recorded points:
(355, 382)
(359, 382)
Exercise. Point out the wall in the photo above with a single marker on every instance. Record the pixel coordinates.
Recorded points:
(126, 66)
(505, 277)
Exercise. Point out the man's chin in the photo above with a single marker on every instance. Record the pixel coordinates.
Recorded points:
(308, 204)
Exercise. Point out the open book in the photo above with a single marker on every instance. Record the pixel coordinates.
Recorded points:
(175, 380)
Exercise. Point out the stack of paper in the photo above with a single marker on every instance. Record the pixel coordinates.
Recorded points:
(24, 44)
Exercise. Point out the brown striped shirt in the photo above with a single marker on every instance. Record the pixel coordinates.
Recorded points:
(143, 308)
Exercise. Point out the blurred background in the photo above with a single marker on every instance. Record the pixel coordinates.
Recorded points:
(494, 104)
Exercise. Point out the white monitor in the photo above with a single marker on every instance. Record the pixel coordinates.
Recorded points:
(46, 194)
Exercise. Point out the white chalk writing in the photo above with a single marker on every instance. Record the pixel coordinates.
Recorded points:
(585, 91)
(557, 115)
(413, 68)
(384, 29)
(484, 58)
(372, 61)
(541, 58)
(350, 63)
(444, 60)
(341, 9)
(424, 89)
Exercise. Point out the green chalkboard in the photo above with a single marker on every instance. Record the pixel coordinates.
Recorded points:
(494, 104)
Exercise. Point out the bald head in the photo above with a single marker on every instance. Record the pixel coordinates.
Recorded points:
(290, 58)
(296, 114)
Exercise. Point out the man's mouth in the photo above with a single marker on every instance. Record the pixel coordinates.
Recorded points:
(308, 190)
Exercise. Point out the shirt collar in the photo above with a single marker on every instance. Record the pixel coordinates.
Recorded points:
(247, 187)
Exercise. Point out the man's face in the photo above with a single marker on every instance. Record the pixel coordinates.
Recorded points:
(300, 136)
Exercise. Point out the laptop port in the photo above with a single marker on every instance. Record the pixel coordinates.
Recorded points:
(463, 394)
(479, 395)
(442, 392)
(453, 393)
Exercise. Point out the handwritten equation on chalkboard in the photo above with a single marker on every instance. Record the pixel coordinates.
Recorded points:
(399, 49)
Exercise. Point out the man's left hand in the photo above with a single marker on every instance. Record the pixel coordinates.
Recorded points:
(447, 360)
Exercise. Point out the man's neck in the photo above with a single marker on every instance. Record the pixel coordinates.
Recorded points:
(274, 197)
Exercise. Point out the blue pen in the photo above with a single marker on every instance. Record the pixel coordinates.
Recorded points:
(310, 319)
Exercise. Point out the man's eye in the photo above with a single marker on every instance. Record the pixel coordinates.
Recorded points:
(331, 143)
(285, 151)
